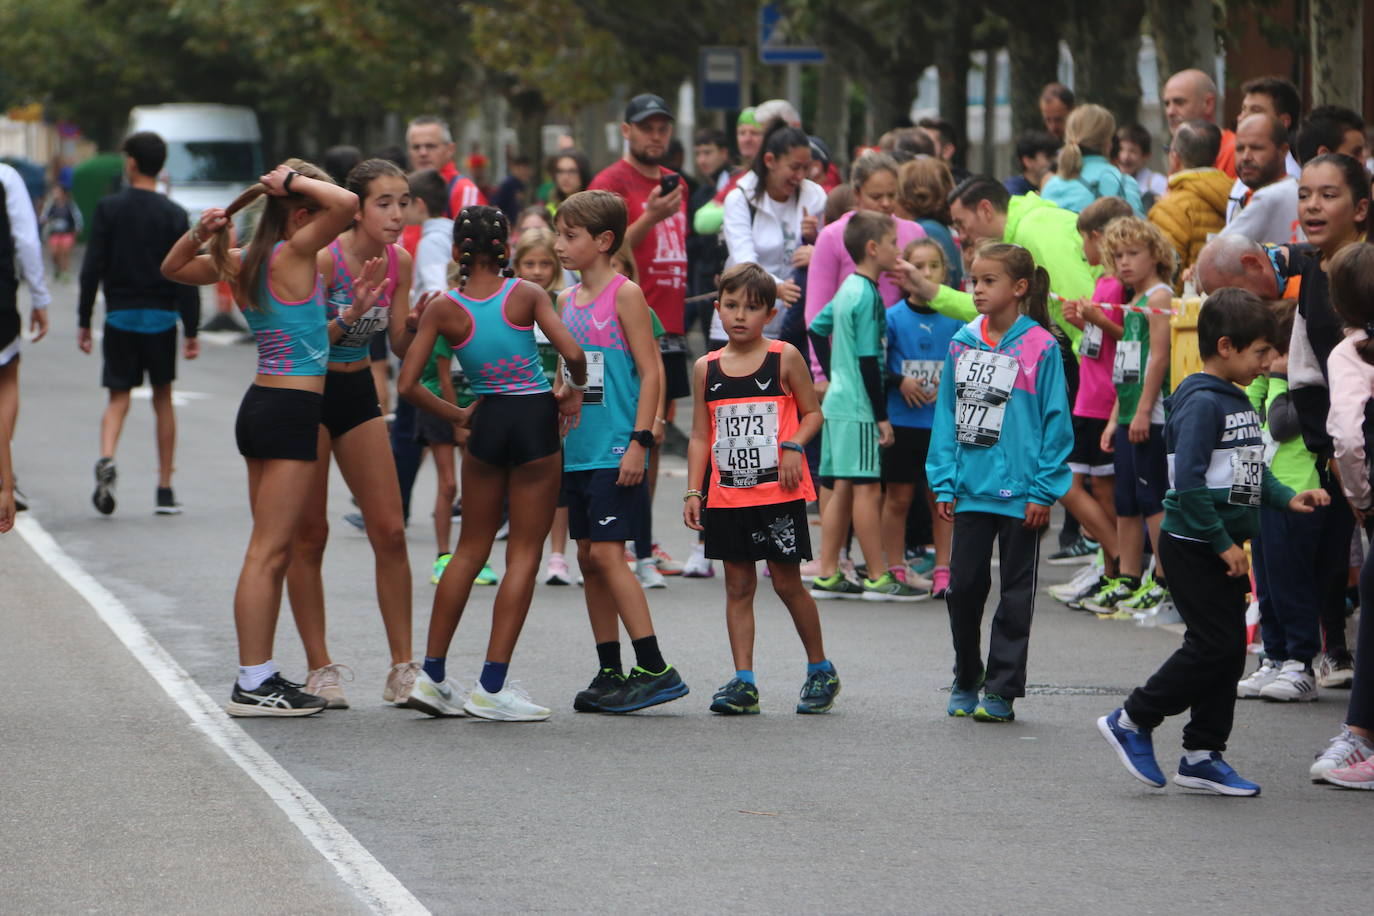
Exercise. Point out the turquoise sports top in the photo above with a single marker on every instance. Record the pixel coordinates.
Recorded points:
(498, 356)
(352, 347)
(612, 396)
(292, 336)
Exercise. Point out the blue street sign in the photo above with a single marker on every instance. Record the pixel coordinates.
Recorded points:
(720, 72)
(777, 45)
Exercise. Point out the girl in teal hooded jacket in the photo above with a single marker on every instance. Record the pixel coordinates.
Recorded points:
(998, 460)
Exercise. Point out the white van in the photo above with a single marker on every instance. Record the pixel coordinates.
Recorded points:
(213, 151)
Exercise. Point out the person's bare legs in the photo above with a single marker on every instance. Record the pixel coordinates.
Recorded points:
(305, 576)
(166, 433)
(741, 581)
(836, 513)
(1130, 542)
(484, 495)
(868, 526)
(1153, 522)
(112, 421)
(896, 504)
(531, 514)
(806, 617)
(558, 533)
(612, 592)
(1099, 526)
(447, 492)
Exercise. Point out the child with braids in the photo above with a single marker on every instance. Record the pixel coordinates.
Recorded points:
(998, 460)
(513, 447)
(276, 283)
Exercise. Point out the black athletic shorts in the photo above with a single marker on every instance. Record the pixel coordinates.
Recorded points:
(432, 429)
(598, 508)
(379, 347)
(10, 325)
(1087, 456)
(1142, 472)
(677, 379)
(129, 355)
(508, 430)
(778, 532)
(350, 399)
(279, 423)
(905, 460)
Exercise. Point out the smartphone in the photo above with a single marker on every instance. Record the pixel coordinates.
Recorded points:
(668, 183)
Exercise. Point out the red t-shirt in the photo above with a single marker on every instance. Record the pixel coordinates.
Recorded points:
(462, 193)
(662, 256)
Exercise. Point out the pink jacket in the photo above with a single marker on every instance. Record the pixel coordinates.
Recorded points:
(1352, 386)
(831, 264)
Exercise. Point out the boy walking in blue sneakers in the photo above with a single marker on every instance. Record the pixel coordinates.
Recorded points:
(1218, 482)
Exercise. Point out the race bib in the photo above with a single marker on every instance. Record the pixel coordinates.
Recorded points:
(1247, 476)
(746, 446)
(596, 378)
(978, 423)
(1090, 346)
(672, 343)
(983, 385)
(374, 319)
(925, 371)
(1126, 364)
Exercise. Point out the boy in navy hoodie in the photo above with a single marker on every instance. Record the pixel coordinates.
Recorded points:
(1218, 481)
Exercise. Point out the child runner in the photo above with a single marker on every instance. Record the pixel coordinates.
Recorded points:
(604, 456)
(1349, 760)
(746, 429)
(352, 428)
(61, 223)
(1144, 261)
(276, 283)
(998, 461)
(489, 321)
(855, 408)
(917, 341)
(1218, 483)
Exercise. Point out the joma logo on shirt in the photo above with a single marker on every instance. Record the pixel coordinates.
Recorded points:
(1241, 425)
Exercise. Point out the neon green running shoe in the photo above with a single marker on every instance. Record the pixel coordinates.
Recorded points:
(440, 565)
(1150, 595)
(837, 586)
(487, 576)
(1112, 593)
(888, 587)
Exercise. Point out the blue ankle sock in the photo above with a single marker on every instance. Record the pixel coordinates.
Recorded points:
(745, 675)
(435, 668)
(494, 676)
(822, 665)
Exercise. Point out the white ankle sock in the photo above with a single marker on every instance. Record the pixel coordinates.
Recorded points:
(1126, 723)
(1196, 757)
(252, 676)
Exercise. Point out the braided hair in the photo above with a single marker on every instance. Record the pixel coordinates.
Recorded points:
(479, 234)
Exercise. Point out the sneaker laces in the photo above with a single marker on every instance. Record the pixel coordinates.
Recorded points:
(517, 690)
(328, 676)
(1343, 745)
(405, 674)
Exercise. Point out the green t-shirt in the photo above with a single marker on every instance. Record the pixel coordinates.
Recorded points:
(1128, 368)
(1293, 465)
(856, 322)
(429, 376)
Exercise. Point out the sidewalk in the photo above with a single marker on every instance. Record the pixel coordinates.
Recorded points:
(112, 801)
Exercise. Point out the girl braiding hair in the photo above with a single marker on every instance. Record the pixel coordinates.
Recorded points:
(244, 278)
(480, 233)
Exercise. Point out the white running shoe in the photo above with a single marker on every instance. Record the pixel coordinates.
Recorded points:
(1335, 674)
(1085, 578)
(1295, 684)
(446, 699)
(697, 566)
(1345, 750)
(327, 682)
(646, 571)
(400, 680)
(918, 581)
(1249, 687)
(557, 573)
(510, 704)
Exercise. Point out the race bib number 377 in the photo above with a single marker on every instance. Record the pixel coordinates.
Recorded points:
(983, 382)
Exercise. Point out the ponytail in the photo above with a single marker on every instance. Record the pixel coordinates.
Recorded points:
(1070, 160)
(1089, 129)
(1036, 304)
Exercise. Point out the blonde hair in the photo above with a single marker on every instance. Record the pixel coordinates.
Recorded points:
(623, 260)
(1089, 128)
(540, 239)
(918, 244)
(1132, 230)
(923, 187)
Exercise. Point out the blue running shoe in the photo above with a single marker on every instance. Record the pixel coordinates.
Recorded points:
(1135, 748)
(737, 698)
(819, 692)
(1213, 775)
(994, 709)
(643, 689)
(962, 702)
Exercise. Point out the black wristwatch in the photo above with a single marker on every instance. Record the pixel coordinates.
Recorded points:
(644, 437)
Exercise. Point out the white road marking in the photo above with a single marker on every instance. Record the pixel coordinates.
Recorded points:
(378, 888)
(180, 398)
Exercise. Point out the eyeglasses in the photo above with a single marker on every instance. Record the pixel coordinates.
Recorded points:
(571, 171)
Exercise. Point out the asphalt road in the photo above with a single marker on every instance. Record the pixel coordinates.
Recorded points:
(886, 805)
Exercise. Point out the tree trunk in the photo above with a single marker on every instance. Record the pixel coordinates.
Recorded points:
(1105, 42)
(1185, 36)
(951, 59)
(529, 111)
(1337, 37)
(1033, 50)
(832, 110)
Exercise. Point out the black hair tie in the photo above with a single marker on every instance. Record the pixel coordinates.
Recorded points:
(1369, 329)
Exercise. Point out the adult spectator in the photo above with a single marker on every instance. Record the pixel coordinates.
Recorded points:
(706, 252)
(823, 171)
(906, 143)
(945, 136)
(430, 144)
(657, 232)
(571, 173)
(1191, 95)
(1085, 174)
(514, 191)
(748, 136)
(711, 157)
(1056, 102)
(1133, 147)
(1195, 206)
(981, 208)
(1331, 129)
(338, 161)
(772, 218)
(923, 187)
(1278, 98)
(1034, 159)
(1234, 260)
(1267, 209)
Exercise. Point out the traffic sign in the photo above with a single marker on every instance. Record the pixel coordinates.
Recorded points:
(777, 43)
(721, 75)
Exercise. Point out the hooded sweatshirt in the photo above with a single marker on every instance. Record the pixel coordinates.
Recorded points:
(1194, 209)
(1352, 387)
(1217, 475)
(1050, 234)
(1028, 462)
(1097, 178)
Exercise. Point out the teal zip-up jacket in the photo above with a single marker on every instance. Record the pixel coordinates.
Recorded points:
(1210, 421)
(1029, 461)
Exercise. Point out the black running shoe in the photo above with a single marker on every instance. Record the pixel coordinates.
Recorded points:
(21, 502)
(737, 698)
(643, 689)
(606, 682)
(166, 502)
(819, 692)
(103, 497)
(275, 696)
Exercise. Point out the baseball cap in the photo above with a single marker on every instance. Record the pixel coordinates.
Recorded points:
(747, 117)
(646, 106)
(820, 151)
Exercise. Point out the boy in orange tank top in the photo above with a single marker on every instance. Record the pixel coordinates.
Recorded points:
(755, 409)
